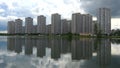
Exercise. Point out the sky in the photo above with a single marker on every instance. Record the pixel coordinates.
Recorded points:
(13, 9)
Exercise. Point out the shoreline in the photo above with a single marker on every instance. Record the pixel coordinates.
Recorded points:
(65, 35)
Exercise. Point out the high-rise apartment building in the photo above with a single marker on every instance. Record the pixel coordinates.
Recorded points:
(18, 26)
(34, 30)
(104, 20)
(88, 25)
(95, 27)
(11, 27)
(41, 27)
(28, 25)
(81, 24)
(56, 23)
(64, 26)
(48, 29)
(23, 29)
(75, 24)
(69, 26)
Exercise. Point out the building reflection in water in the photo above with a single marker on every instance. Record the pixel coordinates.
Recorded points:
(55, 48)
(10, 43)
(81, 48)
(18, 44)
(14, 44)
(59, 46)
(41, 46)
(65, 46)
(28, 46)
(104, 52)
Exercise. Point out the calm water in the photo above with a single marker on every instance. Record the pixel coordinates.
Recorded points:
(30, 52)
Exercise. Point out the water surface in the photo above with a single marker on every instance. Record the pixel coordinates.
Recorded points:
(43, 52)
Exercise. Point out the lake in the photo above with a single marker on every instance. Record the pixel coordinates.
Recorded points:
(57, 52)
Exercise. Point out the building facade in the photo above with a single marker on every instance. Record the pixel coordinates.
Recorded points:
(91, 26)
(48, 29)
(69, 26)
(18, 26)
(11, 27)
(41, 27)
(56, 23)
(75, 24)
(87, 24)
(95, 27)
(23, 29)
(104, 20)
(82, 24)
(28, 25)
(34, 30)
(64, 26)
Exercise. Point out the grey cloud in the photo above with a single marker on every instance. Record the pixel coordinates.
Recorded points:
(91, 6)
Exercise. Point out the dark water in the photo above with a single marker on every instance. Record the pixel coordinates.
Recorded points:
(31, 52)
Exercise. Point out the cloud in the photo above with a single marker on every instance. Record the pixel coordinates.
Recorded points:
(116, 23)
(115, 49)
(33, 8)
(2, 10)
(12, 9)
(90, 6)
